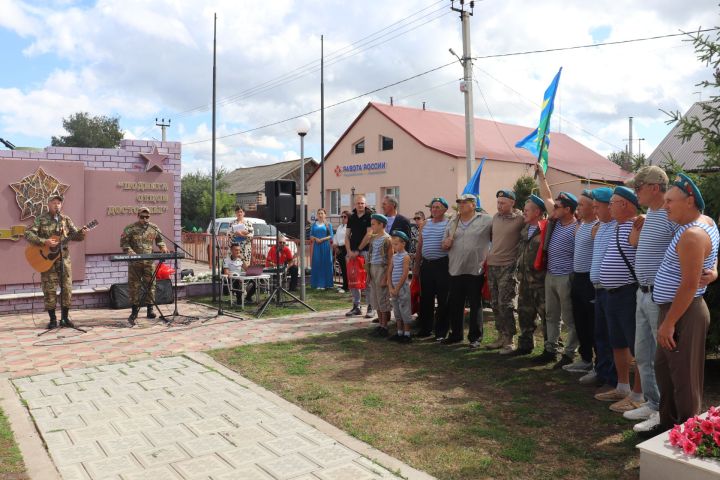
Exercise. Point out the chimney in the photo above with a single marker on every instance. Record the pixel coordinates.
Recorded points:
(423, 105)
(391, 101)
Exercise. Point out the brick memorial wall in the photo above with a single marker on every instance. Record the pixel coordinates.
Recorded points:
(107, 175)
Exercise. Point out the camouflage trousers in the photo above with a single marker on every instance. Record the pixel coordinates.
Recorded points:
(139, 275)
(502, 281)
(531, 305)
(51, 281)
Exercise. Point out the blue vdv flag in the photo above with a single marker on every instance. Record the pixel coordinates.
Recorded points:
(473, 186)
(533, 141)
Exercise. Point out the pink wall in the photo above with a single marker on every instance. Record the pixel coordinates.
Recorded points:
(99, 271)
(420, 172)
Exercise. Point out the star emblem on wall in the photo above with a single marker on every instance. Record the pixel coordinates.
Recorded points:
(338, 171)
(33, 191)
(154, 160)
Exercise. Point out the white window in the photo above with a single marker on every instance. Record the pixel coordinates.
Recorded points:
(359, 147)
(392, 191)
(386, 143)
(333, 201)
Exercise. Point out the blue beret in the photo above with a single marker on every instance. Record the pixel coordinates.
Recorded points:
(568, 199)
(401, 235)
(537, 201)
(602, 194)
(442, 201)
(684, 183)
(505, 193)
(627, 194)
(379, 217)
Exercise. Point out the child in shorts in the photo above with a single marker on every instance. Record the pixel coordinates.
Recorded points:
(379, 258)
(400, 286)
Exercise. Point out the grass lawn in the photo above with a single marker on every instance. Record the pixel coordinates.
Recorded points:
(320, 300)
(11, 462)
(452, 412)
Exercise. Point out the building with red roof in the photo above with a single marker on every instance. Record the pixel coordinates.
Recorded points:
(416, 154)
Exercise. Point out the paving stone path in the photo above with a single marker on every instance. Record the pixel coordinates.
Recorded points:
(174, 418)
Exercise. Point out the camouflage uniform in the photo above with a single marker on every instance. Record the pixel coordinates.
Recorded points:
(138, 238)
(531, 297)
(45, 227)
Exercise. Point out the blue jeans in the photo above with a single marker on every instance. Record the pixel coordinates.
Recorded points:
(604, 363)
(646, 325)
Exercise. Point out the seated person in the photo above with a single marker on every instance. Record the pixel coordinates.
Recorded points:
(233, 266)
(286, 259)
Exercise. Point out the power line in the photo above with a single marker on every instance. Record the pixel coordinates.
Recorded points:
(601, 44)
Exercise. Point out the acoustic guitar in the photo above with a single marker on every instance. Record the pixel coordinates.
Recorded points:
(42, 258)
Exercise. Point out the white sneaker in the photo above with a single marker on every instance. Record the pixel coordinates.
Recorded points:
(475, 344)
(578, 366)
(648, 424)
(589, 378)
(340, 290)
(642, 413)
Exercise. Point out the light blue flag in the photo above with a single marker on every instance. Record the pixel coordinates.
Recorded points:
(539, 137)
(473, 186)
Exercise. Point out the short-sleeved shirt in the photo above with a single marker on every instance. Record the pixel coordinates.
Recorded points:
(604, 233)
(357, 227)
(561, 248)
(582, 257)
(285, 256)
(614, 272)
(656, 234)
(432, 237)
(505, 238)
(234, 266)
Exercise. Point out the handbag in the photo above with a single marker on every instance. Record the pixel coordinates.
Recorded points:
(357, 277)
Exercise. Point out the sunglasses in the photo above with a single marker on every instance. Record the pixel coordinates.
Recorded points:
(417, 218)
(145, 217)
(559, 205)
(343, 216)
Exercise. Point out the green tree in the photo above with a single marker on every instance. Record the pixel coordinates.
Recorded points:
(523, 188)
(196, 200)
(630, 163)
(87, 131)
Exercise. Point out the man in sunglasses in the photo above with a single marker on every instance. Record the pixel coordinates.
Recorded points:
(286, 259)
(137, 239)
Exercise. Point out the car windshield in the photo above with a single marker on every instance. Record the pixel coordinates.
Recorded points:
(262, 230)
(223, 228)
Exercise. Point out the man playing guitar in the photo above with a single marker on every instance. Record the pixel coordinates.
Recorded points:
(50, 229)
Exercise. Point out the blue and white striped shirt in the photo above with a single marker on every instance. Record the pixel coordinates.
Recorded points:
(667, 279)
(614, 272)
(602, 239)
(560, 249)
(377, 258)
(655, 236)
(432, 236)
(531, 230)
(398, 267)
(582, 257)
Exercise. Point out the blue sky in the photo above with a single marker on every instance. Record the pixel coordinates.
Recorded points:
(141, 60)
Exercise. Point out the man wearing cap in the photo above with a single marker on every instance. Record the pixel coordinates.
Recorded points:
(47, 225)
(502, 266)
(357, 227)
(431, 263)
(531, 274)
(684, 316)
(603, 374)
(559, 248)
(467, 240)
(582, 291)
(618, 278)
(137, 239)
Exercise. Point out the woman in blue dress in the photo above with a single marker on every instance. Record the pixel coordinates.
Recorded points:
(321, 232)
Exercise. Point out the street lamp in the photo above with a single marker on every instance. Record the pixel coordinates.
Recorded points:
(302, 127)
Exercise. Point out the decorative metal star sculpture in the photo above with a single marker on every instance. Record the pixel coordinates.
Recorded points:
(154, 160)
(33, 191)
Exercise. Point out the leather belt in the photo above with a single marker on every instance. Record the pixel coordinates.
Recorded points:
(634, 286)
(647, 288)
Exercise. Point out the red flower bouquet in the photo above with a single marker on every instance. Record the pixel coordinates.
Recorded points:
(699, 436)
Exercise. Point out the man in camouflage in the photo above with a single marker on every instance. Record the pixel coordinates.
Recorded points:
(531, 296)
(138, 238)
(48, 225)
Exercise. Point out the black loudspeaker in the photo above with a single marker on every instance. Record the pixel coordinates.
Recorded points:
(120, 297)
(280, 195)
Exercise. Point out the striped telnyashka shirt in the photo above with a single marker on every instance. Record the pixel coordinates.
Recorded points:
(560, 249)
(667, 279)
(398, 267)
(655, 236)
(377, 257)
(582, 258)
(614, 272)
(531, 230)
(602, 239)
(432, 237)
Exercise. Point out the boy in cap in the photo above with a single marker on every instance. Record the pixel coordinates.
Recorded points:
(379, 258)
(400, 286)
(46, 226)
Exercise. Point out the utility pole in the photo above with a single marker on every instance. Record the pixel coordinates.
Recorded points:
(630, 140)
(162, 126)
(322, 123)
(639, 140)
(466, 87)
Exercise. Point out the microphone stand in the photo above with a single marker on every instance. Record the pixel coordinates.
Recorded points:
(61, 259)
(175, 313)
